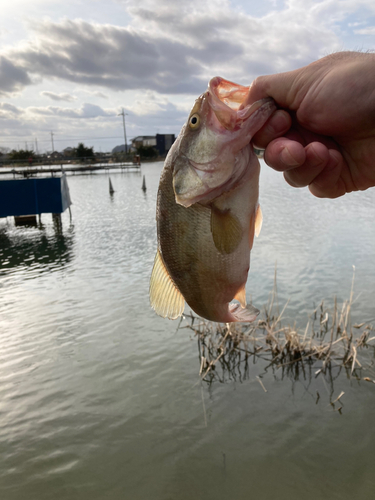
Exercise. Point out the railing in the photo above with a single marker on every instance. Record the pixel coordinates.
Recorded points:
(69, 160)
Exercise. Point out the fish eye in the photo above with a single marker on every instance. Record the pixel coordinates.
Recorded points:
(194, 121)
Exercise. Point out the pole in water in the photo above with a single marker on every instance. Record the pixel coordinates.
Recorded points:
(144, 184)
(111, 190)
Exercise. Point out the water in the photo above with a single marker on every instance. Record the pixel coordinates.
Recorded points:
(101, 399)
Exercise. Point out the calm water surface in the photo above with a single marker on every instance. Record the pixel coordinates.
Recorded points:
(101, 399)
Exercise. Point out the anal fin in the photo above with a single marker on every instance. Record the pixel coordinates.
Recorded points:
(165, 298)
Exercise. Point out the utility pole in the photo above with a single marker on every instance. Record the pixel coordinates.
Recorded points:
(53, 147)
(123, 114)
(36, 145)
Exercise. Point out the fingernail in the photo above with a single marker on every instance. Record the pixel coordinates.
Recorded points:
(279, 124)
(288, 159)
(318, 159)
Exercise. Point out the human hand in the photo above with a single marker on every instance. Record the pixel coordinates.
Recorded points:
(323, 135)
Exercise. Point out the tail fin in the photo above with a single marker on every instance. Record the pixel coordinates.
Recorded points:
(243, 314)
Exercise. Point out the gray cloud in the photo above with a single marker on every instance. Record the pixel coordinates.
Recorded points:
(12, 77)
(95, 93)
(174, 48)
(10, 109)
(69, 131)
(120, 58)
(108, 56)
(169, 48)
(85, 111)
(58, 97)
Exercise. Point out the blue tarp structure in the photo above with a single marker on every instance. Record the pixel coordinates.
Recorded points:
(34, 196)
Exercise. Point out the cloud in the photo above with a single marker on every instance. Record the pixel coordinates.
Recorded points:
(12, 77)
(10, 109)
(107, 56)
(95, 93)
(10, 117)
(165, 55)
(174, 48)
(58, 97)
(85, 111)
(25, 124)
(366, 31)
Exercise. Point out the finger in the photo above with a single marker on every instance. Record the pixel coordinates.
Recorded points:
(284, 154)
(330, 182)
(277, 86)
(317, 158)
(279, 123)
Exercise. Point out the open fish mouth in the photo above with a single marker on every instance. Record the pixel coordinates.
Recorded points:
(229, 102)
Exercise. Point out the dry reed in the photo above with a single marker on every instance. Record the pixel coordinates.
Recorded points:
(329, 342)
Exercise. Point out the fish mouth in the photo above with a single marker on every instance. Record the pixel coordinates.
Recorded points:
(228, 100)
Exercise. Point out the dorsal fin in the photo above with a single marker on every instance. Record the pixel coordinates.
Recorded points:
(226, 230)
(166, 299)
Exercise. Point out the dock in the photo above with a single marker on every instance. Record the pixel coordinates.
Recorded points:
(32, 197)
(28, 171)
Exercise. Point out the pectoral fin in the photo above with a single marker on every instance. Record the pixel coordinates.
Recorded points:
(226, 230)
(247, 314)
(241, 296)
(165, 297)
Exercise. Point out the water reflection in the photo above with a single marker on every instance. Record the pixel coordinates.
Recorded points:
(39, 248)
(93, 383)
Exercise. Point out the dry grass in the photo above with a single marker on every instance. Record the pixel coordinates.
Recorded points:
(329, 344)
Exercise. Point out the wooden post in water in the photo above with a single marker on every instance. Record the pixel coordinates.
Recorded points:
(144, 189)
(111, 190)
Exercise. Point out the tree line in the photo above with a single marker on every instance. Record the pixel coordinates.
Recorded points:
(81, 151)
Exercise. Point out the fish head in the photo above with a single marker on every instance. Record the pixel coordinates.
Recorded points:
(204, 161)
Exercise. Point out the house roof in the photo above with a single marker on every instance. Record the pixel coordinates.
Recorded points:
(143, 137)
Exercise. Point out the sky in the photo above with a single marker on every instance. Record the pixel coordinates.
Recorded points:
(68, 68)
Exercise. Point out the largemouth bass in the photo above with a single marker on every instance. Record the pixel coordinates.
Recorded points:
(207, 208)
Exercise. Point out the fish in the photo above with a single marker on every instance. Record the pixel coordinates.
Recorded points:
(207, 209)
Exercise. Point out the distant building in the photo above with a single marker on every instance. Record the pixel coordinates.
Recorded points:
(164, 143)
(143, 140)
(55, 155)
(161, 142)
(68, 151)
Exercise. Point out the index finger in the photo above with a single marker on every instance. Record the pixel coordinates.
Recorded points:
(278, 86)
